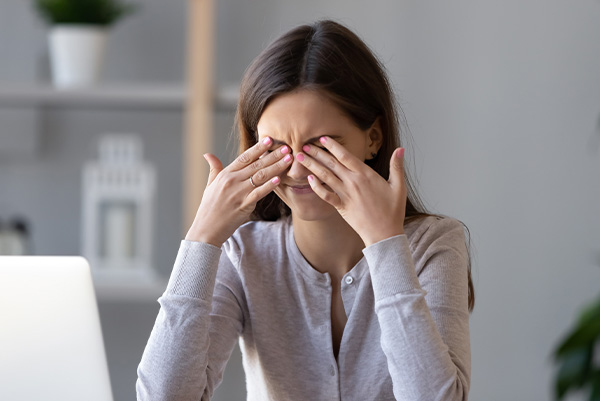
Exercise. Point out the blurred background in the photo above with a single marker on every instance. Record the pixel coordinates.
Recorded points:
(502, 103)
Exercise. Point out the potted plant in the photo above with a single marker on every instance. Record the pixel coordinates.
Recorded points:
(578, 356)
(77, 38)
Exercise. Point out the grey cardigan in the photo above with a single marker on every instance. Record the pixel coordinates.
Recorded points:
(406, 338)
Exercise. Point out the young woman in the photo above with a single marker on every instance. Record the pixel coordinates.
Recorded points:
(313, 250)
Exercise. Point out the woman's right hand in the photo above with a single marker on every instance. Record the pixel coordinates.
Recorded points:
(230, 197)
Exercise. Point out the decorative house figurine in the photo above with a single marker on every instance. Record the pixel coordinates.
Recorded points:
(118, 198)
(14, 237)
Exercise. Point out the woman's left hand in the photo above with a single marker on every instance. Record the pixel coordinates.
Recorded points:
(373, 207)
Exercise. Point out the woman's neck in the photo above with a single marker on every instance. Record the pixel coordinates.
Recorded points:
(330, 246)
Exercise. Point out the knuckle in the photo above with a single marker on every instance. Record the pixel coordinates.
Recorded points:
(344, 157)
(227, 181)
(328, 197)
(330, 164)
(244, 158)
(325, 175)
(260, 175)
(360, 179)
(257, 165)
(355, 186)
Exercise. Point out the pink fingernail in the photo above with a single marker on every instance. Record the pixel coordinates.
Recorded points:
(306, 148)
(285, 150)
(267, 141)
(275, 180)
(323, 139)
(311, 179)
(287, 158)
(300, 157)
(400, 153)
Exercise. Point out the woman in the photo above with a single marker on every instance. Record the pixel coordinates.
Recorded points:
(341, 286)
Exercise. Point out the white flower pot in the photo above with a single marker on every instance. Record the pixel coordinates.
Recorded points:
(76, 54)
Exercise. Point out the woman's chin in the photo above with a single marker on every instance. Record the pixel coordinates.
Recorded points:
(315, 211)
(308, 207)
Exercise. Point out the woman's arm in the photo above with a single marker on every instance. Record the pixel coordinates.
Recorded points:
(196, 329)
(189, 347)
(424, 319)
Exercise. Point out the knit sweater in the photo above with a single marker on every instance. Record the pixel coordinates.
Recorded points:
(406, 337)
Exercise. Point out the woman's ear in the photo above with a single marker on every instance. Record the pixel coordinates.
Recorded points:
(374, 140)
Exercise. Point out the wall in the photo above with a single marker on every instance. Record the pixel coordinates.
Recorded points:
(502, 99)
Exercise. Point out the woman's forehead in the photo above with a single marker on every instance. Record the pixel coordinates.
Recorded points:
(307, 114)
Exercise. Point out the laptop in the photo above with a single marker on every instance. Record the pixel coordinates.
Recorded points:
(51, 345)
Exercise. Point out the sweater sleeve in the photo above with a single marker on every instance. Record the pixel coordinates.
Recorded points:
(199, 321)
(421, 302)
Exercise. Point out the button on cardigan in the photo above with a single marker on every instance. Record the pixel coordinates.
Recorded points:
(406, 338)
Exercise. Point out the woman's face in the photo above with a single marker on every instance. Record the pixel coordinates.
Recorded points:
(300, 118)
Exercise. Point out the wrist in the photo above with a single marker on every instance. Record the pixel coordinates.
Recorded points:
(197, 234)
(381, 237)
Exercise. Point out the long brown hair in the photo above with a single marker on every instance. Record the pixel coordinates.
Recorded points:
(328, 57)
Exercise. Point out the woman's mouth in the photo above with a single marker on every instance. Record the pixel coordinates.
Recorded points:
(301, 189)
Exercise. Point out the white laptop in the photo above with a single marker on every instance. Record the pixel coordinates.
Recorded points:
(51, 344)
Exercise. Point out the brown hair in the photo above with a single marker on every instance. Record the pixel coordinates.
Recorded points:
(328, 57)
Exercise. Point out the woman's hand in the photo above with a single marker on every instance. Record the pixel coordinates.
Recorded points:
(373, 207)
(232, 192)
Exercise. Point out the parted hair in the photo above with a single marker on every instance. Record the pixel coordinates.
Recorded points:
(327, 57)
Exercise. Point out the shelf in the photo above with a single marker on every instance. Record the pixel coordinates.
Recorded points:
(130, 96)
(128, 289)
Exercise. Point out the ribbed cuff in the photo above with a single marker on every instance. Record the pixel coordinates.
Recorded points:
(391, 266)
(195, 270)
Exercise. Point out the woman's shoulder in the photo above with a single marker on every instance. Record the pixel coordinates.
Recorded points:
(429, 229)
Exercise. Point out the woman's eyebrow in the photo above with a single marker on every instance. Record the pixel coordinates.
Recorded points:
(313, 139)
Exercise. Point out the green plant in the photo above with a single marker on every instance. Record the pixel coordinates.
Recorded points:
(578, 356)
(89, 12)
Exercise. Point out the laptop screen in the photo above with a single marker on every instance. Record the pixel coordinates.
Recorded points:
(51, 345)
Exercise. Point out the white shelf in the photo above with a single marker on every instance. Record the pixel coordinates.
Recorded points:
(131, 96)
(129, 291)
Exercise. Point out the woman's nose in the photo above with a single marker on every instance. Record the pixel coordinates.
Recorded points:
(297, 171)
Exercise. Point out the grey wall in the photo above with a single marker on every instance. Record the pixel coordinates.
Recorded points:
(502, 99)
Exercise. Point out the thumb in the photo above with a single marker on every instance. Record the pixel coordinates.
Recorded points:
(397, 168)
(215, 166)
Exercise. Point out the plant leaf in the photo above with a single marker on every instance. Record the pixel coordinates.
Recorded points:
(585, 332)
(573, 372)
(595, 390)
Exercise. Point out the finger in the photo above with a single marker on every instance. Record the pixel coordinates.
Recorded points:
(250, 155)
(330, 197)
(269, 172)
(326, 159)
(397, 168)
(267, 159)
(342, 154)
(323, 173)
(262, 190)
(215, 166)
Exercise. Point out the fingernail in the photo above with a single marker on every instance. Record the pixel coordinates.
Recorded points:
(400, 153)
(323, 139)
(285, 150)
(311, 179)
(300, 157)
(267, 141)
(275, 180)
(287, 158)
(306, 148)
